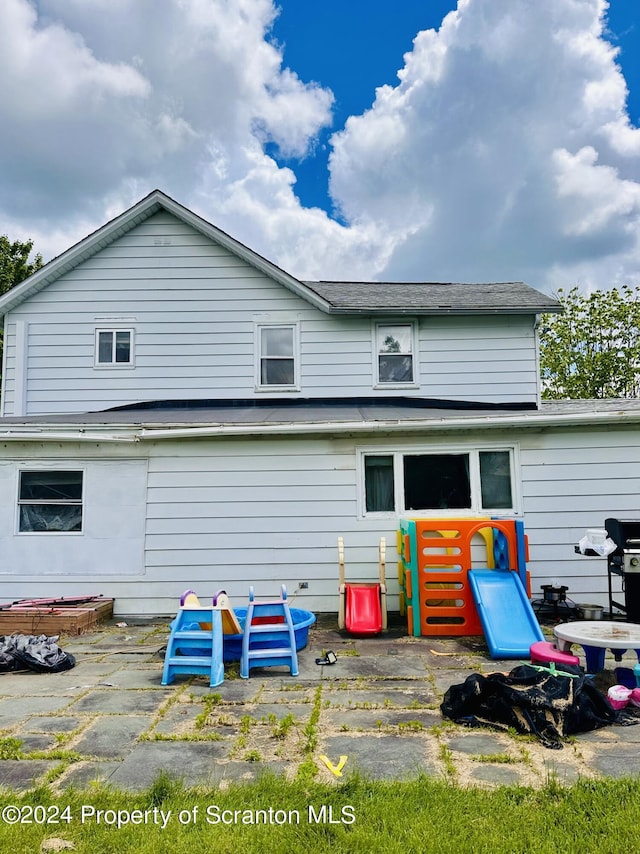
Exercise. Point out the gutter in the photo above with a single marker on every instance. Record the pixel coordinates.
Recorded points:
(530, 420)
(76, 436)
(470, 423)
(443, 312)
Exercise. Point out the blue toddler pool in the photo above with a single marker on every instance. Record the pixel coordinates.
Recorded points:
(232, 644)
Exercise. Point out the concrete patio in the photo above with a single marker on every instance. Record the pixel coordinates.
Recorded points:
(109, 719)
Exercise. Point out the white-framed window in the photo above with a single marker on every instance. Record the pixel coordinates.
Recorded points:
(277, 346)
(50, 501)
(438, 481)
(114, 348)
(395, 354)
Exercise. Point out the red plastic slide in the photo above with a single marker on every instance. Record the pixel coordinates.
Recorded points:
(363, 612)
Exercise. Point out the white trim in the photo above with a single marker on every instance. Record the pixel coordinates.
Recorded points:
(54, 436)
(257, 350)
(20, 371)
(536, 344)
(5, 326)
(399, 451)
(133, 433)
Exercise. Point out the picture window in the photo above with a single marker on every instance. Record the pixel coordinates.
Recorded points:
(415, 482)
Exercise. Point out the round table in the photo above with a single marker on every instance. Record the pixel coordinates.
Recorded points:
(596, 636)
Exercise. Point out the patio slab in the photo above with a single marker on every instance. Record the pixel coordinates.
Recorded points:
(22, 774)
(384, 757)
(362, 719)
(112, 737)
(195, 763)
(378, 705)
(85, 773)
(617, 762)
(115, 702)
(53, 724)
(33, 741)
(17, 709)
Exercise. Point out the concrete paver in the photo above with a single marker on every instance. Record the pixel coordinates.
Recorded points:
(382, 757)
(21, 774)
(378, 706)
(112, 737)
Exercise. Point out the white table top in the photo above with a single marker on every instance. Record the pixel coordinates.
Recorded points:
(600, 633)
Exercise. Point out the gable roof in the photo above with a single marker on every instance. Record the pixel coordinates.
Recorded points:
(331, 297)
(125, 222)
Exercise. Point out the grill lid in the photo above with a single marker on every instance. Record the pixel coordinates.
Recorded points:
(625, 533)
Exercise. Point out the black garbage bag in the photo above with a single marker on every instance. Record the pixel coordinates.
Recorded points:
(532, 701)
(8, 662)
(38, 653)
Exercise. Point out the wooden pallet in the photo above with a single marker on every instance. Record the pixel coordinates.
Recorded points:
(30, 619)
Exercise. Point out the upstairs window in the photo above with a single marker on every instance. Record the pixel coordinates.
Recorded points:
(394, 345)
(277, 359)
(50, 501)
(114, 347)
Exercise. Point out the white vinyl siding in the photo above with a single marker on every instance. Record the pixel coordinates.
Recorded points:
(110, 544)
(573, 480)
(196, 307)
(229, 513)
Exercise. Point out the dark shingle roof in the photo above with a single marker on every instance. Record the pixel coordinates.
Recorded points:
(433, 297)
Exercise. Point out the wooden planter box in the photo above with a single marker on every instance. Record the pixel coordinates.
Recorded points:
(32, 619)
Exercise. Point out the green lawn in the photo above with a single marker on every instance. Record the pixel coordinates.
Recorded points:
(272, 815)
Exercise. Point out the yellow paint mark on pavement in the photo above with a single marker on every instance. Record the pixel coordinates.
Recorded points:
(335, 769)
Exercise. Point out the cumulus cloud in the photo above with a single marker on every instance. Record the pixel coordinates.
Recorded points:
(110, 98)
(504, 151)
(506, 145)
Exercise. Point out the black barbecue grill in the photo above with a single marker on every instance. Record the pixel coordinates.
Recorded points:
(625, 562)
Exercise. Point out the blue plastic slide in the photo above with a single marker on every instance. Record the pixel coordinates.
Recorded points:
(508, 621)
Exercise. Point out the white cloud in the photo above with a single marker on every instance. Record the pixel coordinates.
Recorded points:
(110, 99)
(506, 143)
(505, 150)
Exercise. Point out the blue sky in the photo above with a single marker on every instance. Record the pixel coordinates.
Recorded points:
(478, 140)
(353, 47)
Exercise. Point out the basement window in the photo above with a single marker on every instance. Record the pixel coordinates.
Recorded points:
(456, 481)
(50, 501)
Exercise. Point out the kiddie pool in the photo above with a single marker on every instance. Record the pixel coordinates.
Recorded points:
(232, 644)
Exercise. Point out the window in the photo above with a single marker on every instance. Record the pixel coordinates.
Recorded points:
(114, 347)
(277, 362)
(394, 345)
(417, 482)
(50, 501)
(378, 480)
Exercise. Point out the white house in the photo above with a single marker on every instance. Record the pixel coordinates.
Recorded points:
(179, 412)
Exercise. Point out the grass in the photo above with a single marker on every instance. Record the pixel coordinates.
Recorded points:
(355, 817)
